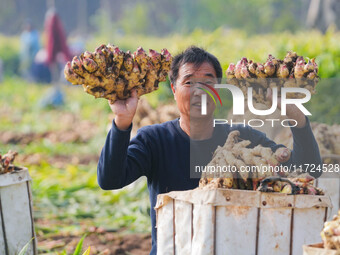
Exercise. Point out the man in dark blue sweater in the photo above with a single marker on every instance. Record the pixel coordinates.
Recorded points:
(162, 152)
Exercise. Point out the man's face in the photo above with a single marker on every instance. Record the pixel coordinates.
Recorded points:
(187, 92)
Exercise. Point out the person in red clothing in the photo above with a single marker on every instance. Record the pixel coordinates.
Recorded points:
(57, 54)
(56, 44)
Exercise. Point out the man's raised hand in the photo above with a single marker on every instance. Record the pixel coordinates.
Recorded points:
(125, 110)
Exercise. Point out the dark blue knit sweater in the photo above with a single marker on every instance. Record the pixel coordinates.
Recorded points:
(162, 153)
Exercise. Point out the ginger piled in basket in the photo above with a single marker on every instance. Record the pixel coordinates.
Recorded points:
(6, 161)
(331, 233)
(254, 169)
(292, 71)
(111, 73)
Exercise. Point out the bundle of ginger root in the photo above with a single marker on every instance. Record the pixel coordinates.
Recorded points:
(6, 161)
(236, 154)
(292, 71)
(331, 233)
(111, 73)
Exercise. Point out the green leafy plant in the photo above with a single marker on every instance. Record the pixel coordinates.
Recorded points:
(80, 246)
(77, 251)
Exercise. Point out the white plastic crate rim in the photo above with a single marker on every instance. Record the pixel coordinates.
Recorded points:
(226, 221)
(317, 249)
(16, 219)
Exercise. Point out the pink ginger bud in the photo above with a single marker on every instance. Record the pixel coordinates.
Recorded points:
(260, 71)
(252, 67)
(7, 162)
(87, 54)
(90, 65)
(283, 71)
(68, 68)
(299, 70)
(110, 47)
(312, 75)
(316, 68)
(106, 51)
(309, 66)
(260, 67)
(116, 51)
(269, 68)
(244, 60)
(291, 54)
(300, 60)
(230, 73)
(99, 48)
(231, 68)
(98, 52)
(244, 72)
(76, 64)
(238, 70)
(154, 55)
(139, 53)
(166, 54)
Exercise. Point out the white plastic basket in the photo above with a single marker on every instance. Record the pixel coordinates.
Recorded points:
(226, 221)
(16, 219)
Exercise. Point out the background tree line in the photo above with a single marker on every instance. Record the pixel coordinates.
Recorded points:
(162, 17)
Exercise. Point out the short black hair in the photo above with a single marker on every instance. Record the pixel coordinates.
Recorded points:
(196, 56)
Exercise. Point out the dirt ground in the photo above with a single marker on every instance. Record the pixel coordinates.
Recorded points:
(101, 242)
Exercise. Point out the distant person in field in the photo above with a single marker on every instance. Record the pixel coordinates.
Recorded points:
(57, 54)
(40, 70)
(30, 45)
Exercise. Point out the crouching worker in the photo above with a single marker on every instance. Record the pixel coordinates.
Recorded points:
(161, 152)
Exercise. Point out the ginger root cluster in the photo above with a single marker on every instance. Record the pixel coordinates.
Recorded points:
(292, 71)
(331, 233)
(110, 73)
(235, 153)
(6, 161)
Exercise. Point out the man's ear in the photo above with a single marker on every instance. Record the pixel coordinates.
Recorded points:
(173, 88)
